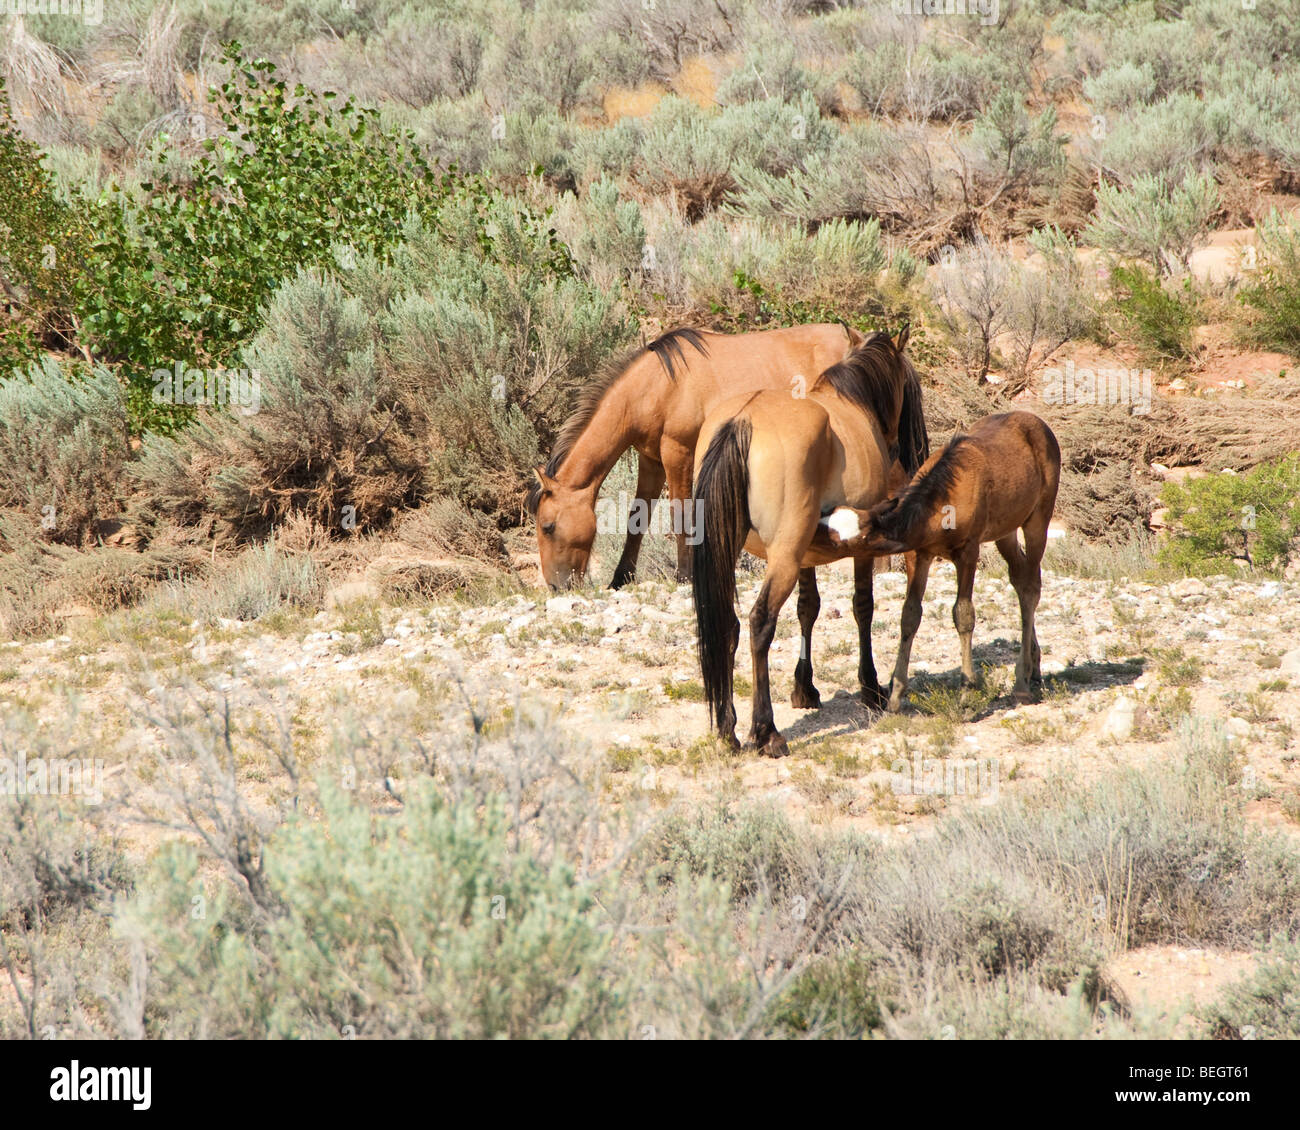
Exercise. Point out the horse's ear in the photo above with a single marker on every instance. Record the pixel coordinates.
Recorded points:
(900, 343)
(548, 484)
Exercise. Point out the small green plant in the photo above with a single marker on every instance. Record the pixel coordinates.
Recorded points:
(1273, 298)
(1157, 320)
(1177, 669)
(1218, 520)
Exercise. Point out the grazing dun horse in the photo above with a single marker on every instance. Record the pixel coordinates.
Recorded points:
(769, 465)
(654, 400)
(983, 486)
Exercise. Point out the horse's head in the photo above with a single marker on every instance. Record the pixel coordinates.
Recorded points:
(566, 529)
(863, 531)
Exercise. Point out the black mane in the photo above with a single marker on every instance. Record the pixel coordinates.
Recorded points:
(868, 377)
(918, 499)
(669, 348)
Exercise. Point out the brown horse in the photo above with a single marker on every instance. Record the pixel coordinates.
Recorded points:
(984, 486)
(654, 400)
(769, 465)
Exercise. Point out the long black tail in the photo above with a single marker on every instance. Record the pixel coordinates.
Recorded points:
(722, 507)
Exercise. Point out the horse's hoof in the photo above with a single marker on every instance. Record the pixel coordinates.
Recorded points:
(1023, 696)
(805, 698)
(873, 697)
(775, 746)
(895, 704)
(729, 740)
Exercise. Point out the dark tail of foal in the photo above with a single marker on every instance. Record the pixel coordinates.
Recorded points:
(722, 489)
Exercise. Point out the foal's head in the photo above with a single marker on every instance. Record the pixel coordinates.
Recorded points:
(566, 529)
(864, 532)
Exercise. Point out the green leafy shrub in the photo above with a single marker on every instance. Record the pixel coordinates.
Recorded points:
(1151, 314)
(180, 272)
(1273, 297)
(42, 244)
(1221, 519)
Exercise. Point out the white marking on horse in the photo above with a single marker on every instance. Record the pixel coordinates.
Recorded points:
(843, 522)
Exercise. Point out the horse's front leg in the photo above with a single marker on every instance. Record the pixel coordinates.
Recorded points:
(780, 582)
(649, 484)
(864, 607)
(805, 696)
(918, 574)
(963, 611)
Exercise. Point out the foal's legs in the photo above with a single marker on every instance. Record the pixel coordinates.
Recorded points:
(649, 482)
(864, 606)
(1018, 571)
(963, 611)
(912, 606)
(781, 576)
(805, 695)
(1027, 576)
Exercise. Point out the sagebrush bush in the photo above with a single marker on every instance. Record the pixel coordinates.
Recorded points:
(605, 233)
(64, 441)
(1121, 87)
(869, 171)
(443, 370)
(424, 924)
(1153, 221)
(772, 69)
(1181, 134)
(1265, 1005)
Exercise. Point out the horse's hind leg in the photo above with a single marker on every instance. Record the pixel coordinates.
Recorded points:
(678, 473)
(912, 606)
(1018, 570)
(864, 607)
(805, 696)
(1035, 534)
(780, 582)
(963, 611)
(649, 482)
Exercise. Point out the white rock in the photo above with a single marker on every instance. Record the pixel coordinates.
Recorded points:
(1118, 723)
(564, 605)
(1290, 664)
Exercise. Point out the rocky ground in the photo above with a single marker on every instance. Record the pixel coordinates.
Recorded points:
(1124, 664)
